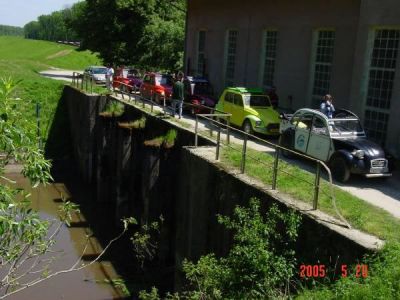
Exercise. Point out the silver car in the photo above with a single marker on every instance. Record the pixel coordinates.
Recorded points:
(98, 73)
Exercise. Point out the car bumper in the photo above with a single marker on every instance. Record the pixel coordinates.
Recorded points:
(378, 175)
(362, 168)
(264, 130)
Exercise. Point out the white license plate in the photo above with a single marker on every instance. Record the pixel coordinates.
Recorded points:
(377, 170)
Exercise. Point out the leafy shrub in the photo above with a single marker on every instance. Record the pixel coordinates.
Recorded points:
(259, 265)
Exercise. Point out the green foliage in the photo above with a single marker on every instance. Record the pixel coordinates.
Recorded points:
(259, 265)
(113, 109)
(144, 240)
(24, 236)
(145, 33)
(170, 137)
(55, 26)
(167, 140)
(11, 30)
(383, 281)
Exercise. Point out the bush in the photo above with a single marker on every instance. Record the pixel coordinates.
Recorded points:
(259, 265)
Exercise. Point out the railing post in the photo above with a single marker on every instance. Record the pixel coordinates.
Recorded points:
(228, 124)
(316, 186)
(151, 107)
(243, 162)
(91, 85)
(196, 128)
(275, 173)
(82, 82)
(218, 143)
(143, 105)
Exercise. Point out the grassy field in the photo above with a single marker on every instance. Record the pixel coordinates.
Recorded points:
(22, 59)
(298, 183)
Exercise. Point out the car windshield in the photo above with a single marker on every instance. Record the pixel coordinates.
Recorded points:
(256, 100)
(99, 71)
(131, 73)
(345, 127)
(202, 89)
(164, 80)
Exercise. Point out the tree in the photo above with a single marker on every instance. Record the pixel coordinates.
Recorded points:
(11, 30)
(55, 26)
(259, 265)
(26, 239)
(144, 33)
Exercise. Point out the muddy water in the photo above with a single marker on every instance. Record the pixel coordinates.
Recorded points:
(89, 283)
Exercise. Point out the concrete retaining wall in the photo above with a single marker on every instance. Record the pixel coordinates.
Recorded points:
(183, 185)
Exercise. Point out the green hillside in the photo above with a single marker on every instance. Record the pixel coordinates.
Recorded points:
(22, 59)
(42, 54)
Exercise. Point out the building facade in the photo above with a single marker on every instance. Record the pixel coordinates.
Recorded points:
(347, 48)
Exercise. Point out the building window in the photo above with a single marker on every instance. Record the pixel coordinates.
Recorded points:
(380, 83)
(322, 68)
(230, 57)
(201, 45)
(270, 40)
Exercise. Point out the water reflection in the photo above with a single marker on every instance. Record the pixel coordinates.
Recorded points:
(89, 283)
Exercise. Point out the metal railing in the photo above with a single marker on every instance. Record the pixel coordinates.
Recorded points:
(278, 149)
(214, 117)
(84, 82)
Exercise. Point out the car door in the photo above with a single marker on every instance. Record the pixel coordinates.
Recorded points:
(237, 110)
(144, 88)
(228, 104)
(319, 144)
(302, 132)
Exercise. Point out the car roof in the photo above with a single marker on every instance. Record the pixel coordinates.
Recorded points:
(345, 113)
(92, 67)
(197, 79)
(244, 90)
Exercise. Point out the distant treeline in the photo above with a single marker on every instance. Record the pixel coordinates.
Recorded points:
(54, 27)
(11, 30)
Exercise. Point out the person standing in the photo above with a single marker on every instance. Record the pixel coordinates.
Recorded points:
(327, 107)
(109, 77)
(273, 97)
(178, 95)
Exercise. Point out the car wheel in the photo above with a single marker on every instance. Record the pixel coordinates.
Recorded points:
(247, 127)
(284, 152)
(340, 170)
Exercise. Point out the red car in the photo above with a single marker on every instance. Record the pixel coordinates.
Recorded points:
(127, 79)
(157, 87)
(198, 91)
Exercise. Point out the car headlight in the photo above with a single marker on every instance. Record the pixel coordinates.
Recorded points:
(358, 153)
(258, 123)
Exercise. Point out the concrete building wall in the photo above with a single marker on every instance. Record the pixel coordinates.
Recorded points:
(353, 21)
(384, 14)
(295, 23)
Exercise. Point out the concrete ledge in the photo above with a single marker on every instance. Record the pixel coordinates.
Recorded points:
(345, 238)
